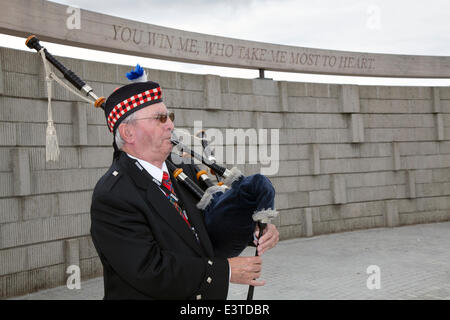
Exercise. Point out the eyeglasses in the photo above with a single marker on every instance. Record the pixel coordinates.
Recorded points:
(162, 117)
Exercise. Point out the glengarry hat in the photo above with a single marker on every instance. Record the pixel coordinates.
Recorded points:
(128, 99)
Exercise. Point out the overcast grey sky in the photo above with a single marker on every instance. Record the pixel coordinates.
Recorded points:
(377, 26)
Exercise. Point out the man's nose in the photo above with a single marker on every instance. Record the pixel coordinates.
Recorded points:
(170, 124)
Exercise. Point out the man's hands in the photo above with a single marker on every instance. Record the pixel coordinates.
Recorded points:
(268, 240)
(245, 270)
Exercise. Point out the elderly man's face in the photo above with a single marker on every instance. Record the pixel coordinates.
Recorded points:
(151, 134)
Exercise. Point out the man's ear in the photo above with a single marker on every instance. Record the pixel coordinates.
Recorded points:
(126, 132)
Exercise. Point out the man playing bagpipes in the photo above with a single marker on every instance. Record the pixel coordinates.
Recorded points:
(150, 236)
(152, 239)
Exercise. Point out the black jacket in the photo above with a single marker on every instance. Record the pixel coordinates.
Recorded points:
(146, 248)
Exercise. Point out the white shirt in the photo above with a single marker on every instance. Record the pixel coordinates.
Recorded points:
(153, 170)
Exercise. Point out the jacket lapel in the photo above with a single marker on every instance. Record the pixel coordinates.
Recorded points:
(195, 215)
(159, 201)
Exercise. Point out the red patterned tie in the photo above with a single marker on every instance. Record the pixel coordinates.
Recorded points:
(168, 184)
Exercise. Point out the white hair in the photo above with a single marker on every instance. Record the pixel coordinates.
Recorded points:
(118, 138)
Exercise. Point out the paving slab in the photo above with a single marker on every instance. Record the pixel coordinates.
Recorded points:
(402, 263)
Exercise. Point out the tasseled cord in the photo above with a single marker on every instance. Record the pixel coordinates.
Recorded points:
(51, 139)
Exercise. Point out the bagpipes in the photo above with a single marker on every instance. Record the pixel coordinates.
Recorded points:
(231, 209)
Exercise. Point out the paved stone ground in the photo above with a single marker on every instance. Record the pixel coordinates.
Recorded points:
(414, 263)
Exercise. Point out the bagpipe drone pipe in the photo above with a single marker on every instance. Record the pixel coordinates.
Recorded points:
(232, 210)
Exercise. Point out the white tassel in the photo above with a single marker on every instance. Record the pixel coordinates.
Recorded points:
(235, 175)
(51, 139)
(208, 195)
(265, 215)
(51, 143)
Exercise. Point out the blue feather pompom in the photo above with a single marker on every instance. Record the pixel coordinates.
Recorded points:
(137, 75)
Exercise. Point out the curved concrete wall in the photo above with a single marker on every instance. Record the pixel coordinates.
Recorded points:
(55, 22)
(350, 157)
